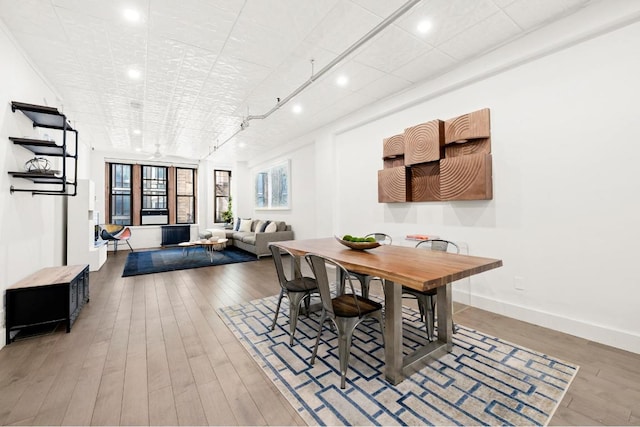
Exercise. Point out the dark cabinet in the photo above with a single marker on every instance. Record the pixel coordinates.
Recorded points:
(50, 295)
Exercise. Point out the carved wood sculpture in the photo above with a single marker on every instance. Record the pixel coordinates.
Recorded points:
(394, 185)
(466, 172)
(424, 143)
(425, 182)
(448, 160)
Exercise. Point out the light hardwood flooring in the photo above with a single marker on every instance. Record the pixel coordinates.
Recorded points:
(151, 350)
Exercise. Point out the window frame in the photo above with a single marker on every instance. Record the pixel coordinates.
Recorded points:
(113, 193)
(150, 211)
(216, 217)
(192, 196)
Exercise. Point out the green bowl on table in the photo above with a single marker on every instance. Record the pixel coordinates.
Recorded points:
(357, 245)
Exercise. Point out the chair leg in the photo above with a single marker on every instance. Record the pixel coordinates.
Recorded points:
(294, 309)
(115, 246)
(129, 244)
(320, 325)
(345, 333)
(275, 317)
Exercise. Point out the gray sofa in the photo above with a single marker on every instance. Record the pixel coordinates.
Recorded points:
(258, 242)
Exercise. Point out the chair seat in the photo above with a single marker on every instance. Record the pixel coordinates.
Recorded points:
(430, 292)
(302, 284)
(345, 306)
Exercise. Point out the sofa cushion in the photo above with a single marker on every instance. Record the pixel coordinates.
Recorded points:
(249, 239)
(282, 226)
(271, 227)
(239, 235)
(245, 225)
(259, 225)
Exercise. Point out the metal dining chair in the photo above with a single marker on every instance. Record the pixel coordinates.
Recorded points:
(296, 288)
(365, 279)
(345, 311)
(427, 299)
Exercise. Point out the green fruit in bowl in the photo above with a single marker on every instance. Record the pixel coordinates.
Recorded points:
(370, 239)
(347, 237)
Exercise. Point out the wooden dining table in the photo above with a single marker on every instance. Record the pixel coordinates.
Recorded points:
(412, 267)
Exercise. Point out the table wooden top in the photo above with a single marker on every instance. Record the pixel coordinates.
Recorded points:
(50, 276)
(413, 267)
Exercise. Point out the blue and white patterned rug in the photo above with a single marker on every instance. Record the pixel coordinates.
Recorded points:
(484, 381)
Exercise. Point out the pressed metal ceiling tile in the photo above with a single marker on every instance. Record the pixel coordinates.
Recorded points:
(382, 8)
(448, 18)
(482, 36)
(391, 50)
(530, 13)
(196, 23)
(430, 64)
(385, 86)
(345, 24)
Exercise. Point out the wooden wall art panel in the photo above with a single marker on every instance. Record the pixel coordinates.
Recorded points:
(468, 126)
(425, 182)
(424, 143)
(393, 146)
(476, 146)
(466, 178)
(438, 161)
(395, 162)
(394, 185)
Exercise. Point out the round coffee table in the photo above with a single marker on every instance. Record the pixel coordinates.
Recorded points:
(213, 245)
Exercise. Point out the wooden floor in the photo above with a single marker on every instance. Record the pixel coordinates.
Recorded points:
(151, 350)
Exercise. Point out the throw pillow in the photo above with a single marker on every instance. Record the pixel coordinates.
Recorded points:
(245, 225)
(264, 226)
(259, 226)
(237, 226)
(271, 227)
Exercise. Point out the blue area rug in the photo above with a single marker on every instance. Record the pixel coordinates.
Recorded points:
(484, 381)
(170, 259)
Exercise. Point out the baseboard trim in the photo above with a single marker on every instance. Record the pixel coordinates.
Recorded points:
(625, 340)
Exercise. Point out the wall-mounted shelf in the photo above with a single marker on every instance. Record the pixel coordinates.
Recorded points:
(65, 184)
(41, 147)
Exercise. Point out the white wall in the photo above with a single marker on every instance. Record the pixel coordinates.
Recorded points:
(565, 134)
(32, 228)
(302, 195)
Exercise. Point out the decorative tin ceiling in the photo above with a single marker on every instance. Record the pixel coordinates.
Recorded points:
(205, 65)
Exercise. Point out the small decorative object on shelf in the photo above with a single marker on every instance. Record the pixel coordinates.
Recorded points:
(38, 164)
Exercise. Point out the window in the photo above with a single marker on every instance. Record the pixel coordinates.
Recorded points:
(154, 195)
(120, 206)
(185, 196)
(222, 200)
(150, 195)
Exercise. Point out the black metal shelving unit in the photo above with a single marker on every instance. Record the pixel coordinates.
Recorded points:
(51, 118)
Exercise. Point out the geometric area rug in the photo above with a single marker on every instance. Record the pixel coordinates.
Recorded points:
(483, 381)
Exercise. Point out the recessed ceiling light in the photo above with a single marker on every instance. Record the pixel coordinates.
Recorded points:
(242, 144)
(137, 131)
(138, 149)
(131, 15)
(424, 26)
(342, 80)
(297, 109)
(134, 73)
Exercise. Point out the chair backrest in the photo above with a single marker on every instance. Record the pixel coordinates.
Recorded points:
(318, 265)
(276, 254)
(439, 245)
(382, 238)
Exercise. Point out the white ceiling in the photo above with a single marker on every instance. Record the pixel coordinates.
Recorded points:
(208, 64)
